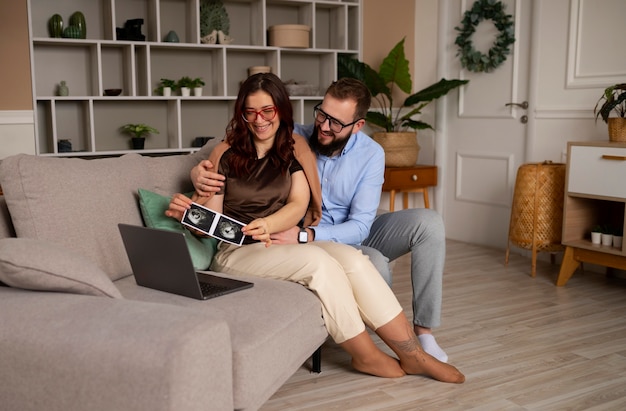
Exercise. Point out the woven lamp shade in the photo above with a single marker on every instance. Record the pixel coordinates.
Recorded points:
(537, 211)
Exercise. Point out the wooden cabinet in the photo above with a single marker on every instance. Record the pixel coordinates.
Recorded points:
(91, 120)
(595, 195)
(409, 179)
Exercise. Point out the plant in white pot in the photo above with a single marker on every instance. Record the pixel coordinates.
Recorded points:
(184, 84)
(138, 133)
(399, 135)
(196, 85)
(166, 86)
(613, 100)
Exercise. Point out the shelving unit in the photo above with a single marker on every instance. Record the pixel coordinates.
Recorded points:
(91, 120)
(595, 194)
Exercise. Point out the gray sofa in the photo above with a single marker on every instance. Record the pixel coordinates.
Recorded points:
(72, 338)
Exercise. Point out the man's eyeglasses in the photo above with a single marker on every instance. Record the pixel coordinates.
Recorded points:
(266, 114)
(335, 125)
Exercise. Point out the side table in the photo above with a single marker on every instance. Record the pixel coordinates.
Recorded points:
(406, 180)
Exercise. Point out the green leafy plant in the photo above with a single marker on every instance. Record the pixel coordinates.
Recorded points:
(185, 81)
(139, 130)
(613, 99)
(196, 82)
(394, 72)
(165, 82)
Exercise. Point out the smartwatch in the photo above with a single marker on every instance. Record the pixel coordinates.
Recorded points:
(303, 236)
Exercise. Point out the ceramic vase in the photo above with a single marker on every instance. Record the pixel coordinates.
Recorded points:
(55, 26)
(63, 90)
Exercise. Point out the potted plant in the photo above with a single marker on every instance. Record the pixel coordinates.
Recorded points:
(613, 100)
(138, 133)
(185, 84)
(596, 234)
(196, 85)
(401, 148)
(618, 236)
(166, 86)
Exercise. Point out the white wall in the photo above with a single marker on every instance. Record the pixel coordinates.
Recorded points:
(17, 133)
(578, 55)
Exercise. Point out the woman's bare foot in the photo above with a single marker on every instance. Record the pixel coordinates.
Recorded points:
(422, 363)
(382, 366)
(401, 338)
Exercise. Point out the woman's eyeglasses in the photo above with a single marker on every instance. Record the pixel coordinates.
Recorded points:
(335, 125)
(266, 114)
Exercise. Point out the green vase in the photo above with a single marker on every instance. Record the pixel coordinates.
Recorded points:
(55, 26)
(78, 20)
(71, 32)
(63, 90)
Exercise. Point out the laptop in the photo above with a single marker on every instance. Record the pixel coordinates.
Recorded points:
(160, 260)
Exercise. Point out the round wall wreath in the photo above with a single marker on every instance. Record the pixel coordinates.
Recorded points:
(472, 59)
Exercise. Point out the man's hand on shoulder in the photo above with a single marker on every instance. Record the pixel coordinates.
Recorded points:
(205, 180)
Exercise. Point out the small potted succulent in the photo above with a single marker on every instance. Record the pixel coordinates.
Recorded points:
(166, 86)
(138, 133)
(596, 234)
(613, 100)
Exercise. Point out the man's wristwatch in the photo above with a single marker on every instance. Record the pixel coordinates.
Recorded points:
(303, 236)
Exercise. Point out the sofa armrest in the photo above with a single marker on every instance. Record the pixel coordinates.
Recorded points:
(72, 352)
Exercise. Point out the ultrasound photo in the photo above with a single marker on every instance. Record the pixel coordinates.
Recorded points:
(214, 224)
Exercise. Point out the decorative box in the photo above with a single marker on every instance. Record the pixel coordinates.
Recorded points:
(289, 35)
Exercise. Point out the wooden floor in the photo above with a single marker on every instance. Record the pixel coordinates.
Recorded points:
(522, 343)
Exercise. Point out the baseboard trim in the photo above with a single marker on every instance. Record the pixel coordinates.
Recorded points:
(8, 117)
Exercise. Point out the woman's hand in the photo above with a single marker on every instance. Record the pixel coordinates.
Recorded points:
(259, 230)
(178, 205)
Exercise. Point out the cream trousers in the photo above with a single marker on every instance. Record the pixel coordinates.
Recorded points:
(352, 292)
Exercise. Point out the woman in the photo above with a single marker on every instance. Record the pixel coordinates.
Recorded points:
(271, 183)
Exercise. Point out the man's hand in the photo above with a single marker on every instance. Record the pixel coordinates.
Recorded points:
(289, 236)
(205, 180)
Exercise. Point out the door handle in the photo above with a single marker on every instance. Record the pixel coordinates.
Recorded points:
(523, 105)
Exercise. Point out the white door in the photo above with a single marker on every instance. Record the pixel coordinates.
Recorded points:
(484, 138)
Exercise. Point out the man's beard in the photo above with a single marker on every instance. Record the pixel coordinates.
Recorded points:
(327, 150)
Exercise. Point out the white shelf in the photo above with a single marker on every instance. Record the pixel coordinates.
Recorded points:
(89, 66)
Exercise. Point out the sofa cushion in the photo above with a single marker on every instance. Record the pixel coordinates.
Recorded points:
(42, 266)
(153, 208)
(76, 203)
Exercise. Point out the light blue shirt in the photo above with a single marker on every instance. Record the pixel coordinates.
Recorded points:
(351, 188)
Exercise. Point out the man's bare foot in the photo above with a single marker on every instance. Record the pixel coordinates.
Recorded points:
(383, 366)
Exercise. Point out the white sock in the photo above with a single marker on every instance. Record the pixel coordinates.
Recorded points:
(429, 344)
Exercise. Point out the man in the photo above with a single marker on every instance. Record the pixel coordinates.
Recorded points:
(351, 169)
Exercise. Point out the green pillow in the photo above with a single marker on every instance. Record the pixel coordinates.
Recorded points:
(153, 208)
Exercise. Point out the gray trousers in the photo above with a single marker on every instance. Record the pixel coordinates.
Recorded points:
(419, 231)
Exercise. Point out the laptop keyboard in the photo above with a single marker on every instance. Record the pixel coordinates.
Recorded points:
(211, 289)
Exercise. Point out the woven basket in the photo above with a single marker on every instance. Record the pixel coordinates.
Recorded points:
(401, 148)
(617, 129)
(537, 211)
